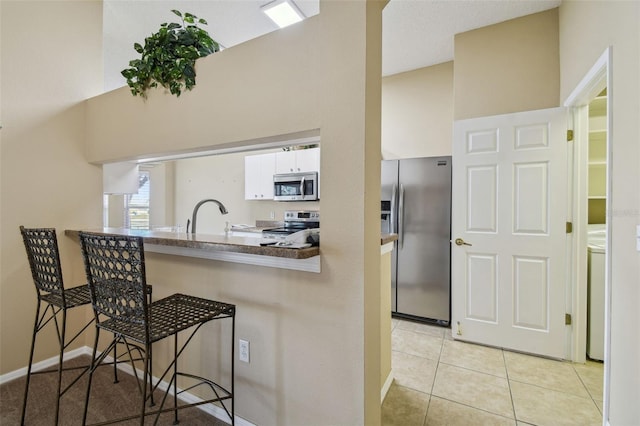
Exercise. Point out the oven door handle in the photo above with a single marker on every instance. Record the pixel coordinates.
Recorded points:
(302, 187)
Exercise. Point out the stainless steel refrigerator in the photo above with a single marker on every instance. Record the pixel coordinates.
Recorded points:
(416, 204)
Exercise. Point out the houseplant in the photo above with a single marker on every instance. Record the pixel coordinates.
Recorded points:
(169, 55)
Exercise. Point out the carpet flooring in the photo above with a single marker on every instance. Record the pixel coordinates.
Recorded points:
(108, 400)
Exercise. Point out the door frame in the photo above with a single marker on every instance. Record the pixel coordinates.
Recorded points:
(599, 76)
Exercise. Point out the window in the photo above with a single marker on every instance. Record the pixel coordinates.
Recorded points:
(136, 206)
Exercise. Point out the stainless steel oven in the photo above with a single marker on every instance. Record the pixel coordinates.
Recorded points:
(300, 226)
(295, 186)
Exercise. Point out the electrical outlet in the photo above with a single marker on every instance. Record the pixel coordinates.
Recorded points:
(272, 215)
(244, 350)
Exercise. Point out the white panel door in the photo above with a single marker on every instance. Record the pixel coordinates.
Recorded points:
(509, 209)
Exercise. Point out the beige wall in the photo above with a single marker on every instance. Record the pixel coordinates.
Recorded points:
(417, 113)
(508, 67)
(315, 338)
(262, 88)
(586, 30)
(47, 71)
(310, 340)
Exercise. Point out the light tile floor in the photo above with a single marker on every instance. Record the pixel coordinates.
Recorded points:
(440, 381)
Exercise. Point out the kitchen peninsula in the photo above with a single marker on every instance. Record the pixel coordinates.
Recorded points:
(227, 248)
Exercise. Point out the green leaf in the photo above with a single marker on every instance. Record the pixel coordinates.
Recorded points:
(168, 57)
(189, 71)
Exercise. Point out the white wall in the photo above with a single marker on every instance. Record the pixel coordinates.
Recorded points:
(162, 196)
(219, 177)
(222, 177)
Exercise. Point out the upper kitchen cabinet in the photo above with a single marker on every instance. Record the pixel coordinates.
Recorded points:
(303, 160)
(258, 176)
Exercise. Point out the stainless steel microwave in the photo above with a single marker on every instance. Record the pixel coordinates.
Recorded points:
(295, 186)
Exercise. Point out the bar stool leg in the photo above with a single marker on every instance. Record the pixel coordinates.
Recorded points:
(175, 379)
(33, 344)
(61, 340)
(149, 290)
(146, 377)
(233, 357)
(152, 403)
(91, 369)
(115, 364)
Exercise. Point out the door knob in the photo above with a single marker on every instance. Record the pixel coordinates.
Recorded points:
(461, 242)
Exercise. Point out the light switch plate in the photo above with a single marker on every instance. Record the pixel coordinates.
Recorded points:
(244, 350)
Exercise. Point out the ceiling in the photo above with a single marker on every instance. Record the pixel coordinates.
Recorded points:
(416, 33)
(419, 33)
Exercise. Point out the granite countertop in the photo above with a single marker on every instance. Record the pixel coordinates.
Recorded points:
(388, 238)
(231, 243)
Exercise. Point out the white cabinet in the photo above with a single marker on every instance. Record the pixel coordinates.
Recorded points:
(258, 176)
(304, 160)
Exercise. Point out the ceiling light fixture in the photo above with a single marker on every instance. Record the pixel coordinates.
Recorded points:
(283, 12)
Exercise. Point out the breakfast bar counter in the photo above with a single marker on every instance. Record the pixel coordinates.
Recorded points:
(229, 248)
(226, 248)
(223, 243)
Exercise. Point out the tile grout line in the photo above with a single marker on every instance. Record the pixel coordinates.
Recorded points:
(435, 374)
(506, 370)
(493, 413)
(551, 389)
(473, 370)
(587, 389)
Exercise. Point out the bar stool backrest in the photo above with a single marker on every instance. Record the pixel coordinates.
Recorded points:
(44, 260)
(117, 281)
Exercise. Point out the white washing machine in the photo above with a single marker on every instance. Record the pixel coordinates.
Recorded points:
(596, 244)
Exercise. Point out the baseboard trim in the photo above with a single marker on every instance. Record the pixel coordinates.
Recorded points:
(44, 364)
(210, 409)
(386, 386)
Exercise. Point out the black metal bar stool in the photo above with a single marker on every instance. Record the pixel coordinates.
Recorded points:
(44, 260)
(116, 274)
(41, 245)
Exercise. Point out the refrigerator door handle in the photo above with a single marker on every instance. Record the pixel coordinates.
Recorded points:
(393, 223)
(401, 217)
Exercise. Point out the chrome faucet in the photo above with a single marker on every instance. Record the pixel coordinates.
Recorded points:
(223, 210)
